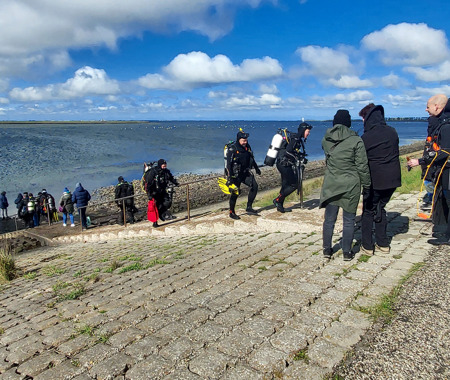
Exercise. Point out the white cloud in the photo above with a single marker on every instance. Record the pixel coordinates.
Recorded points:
(435, 74)
(325, 62)
(268, 89)
(251, 101)
(86, 81)
(197, 69)
(4, 100)
(350, 81)
(401, 100)
(393, 81)
(410, 44)
(342, 100)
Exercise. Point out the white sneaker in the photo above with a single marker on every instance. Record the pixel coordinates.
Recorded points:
(72, 225)
(64, 224)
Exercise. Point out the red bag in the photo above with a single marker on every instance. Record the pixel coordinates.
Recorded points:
(152, 211)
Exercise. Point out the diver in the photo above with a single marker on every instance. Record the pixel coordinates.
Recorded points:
(240, 161)
(159, 186)
(291, 159)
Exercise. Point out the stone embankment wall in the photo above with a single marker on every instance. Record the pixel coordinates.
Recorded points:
(207, 191)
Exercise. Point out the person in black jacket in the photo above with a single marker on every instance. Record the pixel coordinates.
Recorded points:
(159, 186)
(240, 161)
(382, 148)
(290, 160)
(124, 189)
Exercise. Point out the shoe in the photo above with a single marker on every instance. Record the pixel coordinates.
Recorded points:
(426, 206)
(348, 256)
(438, 235)
(382, 249)
(72, 225)
(162, 218)
(64, 224)
(439, 241)
(155, 224)
(279, 206)
(249, 210)
(234, 216)
(365, 251)
(327, 253)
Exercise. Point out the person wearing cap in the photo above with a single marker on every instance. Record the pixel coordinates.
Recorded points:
(124, 189)
(382, 148)
(291, 152)
(160, 182)
(66, 207)
(240, 161)
(81, 198)
(346, 172)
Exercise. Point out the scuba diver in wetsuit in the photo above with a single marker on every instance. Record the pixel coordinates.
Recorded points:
(289, 161)
(240, 161)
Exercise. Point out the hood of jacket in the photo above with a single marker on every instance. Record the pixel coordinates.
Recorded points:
(336, 135)
(374, 117)
(446, 111)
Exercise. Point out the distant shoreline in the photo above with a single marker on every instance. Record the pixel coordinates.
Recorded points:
(388, 119)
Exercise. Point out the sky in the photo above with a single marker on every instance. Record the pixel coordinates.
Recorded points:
(220, 59)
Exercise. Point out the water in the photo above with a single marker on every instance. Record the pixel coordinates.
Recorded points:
(53, 156)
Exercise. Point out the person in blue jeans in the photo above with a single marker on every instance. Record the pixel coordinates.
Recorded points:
(4, 205)
(67, 207)
(81, 198)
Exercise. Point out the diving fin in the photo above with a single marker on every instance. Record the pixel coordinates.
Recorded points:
(227, 189)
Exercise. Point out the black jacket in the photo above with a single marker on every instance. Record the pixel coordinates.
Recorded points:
(381, 142)
(444, 144)
(293, 150)
(240, 160)
(158, 179)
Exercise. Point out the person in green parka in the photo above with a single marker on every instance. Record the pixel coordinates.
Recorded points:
(346, 172)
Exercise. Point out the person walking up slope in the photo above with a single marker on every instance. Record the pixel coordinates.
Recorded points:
(346, 172)
(81, 198)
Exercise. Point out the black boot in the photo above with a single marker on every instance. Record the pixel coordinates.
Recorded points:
(250, 210)
(234, 216)
(279, 205)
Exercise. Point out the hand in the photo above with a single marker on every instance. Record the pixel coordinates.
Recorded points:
(413, 162)
(305, 161)
(228, 181)
(258, 171)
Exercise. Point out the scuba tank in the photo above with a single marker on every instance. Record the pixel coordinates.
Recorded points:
(274, 147)
(31, 205)
(228, 145)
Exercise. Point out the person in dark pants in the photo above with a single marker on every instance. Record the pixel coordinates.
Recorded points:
(240, 161)
(381, 143)
(125, 189)
(346, 172)
(81, 198)
(159, 185)
(287, 163)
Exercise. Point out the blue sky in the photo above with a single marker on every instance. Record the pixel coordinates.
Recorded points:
(220, 59)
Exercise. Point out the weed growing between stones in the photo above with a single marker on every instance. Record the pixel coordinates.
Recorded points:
(135, 266)
(52, 270)
(30, 275)
(114, 265)
(302, 355)
(156, 262)
(363, 259)
(8, 270)
(67, 291)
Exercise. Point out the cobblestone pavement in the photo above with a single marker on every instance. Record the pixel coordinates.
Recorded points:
(197, 303)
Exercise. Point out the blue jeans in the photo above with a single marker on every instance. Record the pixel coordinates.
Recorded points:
(331, 212)
(65, 217)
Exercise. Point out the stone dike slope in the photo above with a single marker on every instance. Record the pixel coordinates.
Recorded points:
(209, 298)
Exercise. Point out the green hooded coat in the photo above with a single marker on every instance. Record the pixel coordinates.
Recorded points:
(346, 168)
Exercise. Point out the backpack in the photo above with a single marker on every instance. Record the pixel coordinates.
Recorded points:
(229, 146)
(31, 205)
(129, 191)
(146, 169)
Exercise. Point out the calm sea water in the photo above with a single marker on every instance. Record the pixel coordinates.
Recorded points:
(53, 156)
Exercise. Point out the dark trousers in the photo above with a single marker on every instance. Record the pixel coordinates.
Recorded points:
(82, 214)
(374, 203)
(163, 202)
(447, 201)
(288, 181)
(250, 181)
(129, 213)
(331, 213)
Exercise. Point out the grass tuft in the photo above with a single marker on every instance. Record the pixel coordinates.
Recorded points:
(8, 269)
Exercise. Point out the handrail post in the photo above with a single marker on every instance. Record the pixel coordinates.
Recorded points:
(48, 212)
(124, 212)
(187, 200)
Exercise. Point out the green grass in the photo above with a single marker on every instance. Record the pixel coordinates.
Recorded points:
(363, 258)
(30, 275)
(156, 262)
(411, 180)
(67, 291)
(135, 266)
(8, 269)
(114, 265)
(384, 310)
(52, 271)
(302, 355)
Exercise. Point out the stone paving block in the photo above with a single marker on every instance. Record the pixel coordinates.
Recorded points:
(385, 282)
(337, 296)
(325, 354)
(342, 335)
(182, 374)
(14, 334)
(278, 312)
(75, 345)
(267, 360)
(259, 327)
(299, 370)
(125, 337)
(359, 275)
(310, 324)
(112, 367)
(289, 340)
(210, 364)
(198, 316)
(153, 367)
(327, 309)
(396, 274)
(93, 355)
(365, 302)
(355, 319)
(231, 317)
(207, 333)
(376, 291)
(11, 374)
(40, 363)
(241, 372)
(62, 371)
(144, 347)
(411, 258)
(24, 349)
(370, 267)
(179, 349)
(349, 284)
(236, 344)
